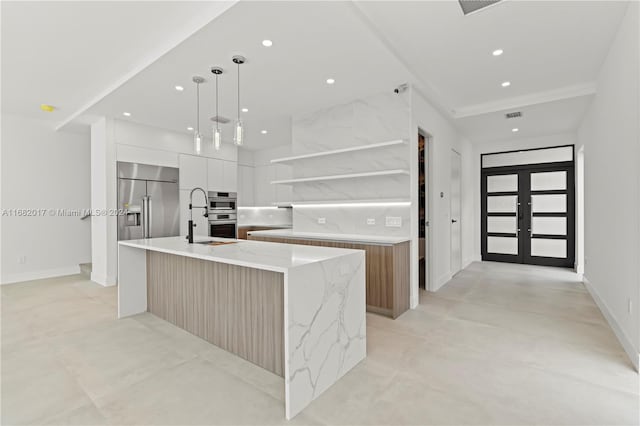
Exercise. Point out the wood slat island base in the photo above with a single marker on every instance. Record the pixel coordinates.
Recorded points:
(236, 308)
(387, 271)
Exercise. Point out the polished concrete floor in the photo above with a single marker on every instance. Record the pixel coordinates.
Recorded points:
(499, 344)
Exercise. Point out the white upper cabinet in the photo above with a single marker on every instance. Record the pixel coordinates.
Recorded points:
(215, 170)
(230, 178)
(193, 172)
(245, 186)
(222, 175)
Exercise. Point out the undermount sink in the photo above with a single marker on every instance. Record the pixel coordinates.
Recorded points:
(215, 243)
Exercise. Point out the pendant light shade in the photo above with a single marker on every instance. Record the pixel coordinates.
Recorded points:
(217, 136)
(197, 137)
(238, 134)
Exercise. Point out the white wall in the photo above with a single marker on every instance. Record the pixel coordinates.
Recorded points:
(500, 146)
(610, 134)
(43, 169)
(443, 138)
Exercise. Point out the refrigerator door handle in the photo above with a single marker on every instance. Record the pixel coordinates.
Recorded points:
(145, 216)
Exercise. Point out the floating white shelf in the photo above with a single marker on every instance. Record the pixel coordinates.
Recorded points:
(339, 151)
(344, 176)
(341, 202)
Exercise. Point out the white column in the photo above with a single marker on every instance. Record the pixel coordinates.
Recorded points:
(104, 252)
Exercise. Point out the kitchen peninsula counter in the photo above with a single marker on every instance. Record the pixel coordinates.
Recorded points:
(297, 311)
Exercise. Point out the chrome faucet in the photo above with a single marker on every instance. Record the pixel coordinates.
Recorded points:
(191, 207)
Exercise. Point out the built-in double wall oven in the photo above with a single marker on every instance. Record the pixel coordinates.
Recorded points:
(223, 214)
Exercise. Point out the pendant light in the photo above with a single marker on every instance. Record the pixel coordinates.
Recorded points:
(238, 135)
(197, 137)
(217, 137)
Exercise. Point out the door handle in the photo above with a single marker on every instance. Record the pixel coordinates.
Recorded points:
(145, 216)
(531, 218)
(453, 221)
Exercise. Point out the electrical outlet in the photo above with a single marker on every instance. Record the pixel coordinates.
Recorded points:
(322, 220)
(393, 221)
(22, 260)
(371, 221)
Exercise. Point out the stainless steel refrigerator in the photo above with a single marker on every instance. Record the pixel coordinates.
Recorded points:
(148, 198)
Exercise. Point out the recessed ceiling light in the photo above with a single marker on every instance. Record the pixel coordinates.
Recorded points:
(267, 43)
(515, 129)
(245, 109)
(126, 114)
(498, 52)
(330, 81)
(506, 83)
(179, 88)
(190, 129)
(264, 132)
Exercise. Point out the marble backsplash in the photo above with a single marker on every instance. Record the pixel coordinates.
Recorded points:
(264, 216)
(380, 118)
(363, 219)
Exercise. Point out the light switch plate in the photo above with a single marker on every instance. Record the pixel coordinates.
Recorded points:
(393, 221)
(371, 221)
(322, 220)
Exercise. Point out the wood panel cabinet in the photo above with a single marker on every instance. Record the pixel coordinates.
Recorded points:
(387, 271)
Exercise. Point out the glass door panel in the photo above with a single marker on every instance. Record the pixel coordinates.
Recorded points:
(549, 225)
(502, 224)
(502, 245)
(547, 181)
(502, 183)
(502, 203)
(542, 247)
(553, 203)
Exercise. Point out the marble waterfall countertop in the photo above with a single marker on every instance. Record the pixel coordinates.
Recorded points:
(275, 257)
(353, 238)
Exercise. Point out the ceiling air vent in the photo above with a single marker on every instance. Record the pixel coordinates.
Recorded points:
(516, 114)
(220, 119)
(470, 6)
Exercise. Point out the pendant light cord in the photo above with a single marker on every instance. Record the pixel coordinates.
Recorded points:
(198, 107)
(217, 116)
(238, 91)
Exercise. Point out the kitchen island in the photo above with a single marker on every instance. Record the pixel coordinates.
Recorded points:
(297, 311)
(387, 263)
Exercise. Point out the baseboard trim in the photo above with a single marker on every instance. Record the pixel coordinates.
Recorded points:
(441, 280)
(624, 340)
(103, 280)
(40, 275)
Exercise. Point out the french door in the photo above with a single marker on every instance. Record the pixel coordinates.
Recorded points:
(528, 214)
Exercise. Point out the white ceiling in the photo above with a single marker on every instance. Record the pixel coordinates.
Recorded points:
(547, 44)
(312, 41)
(541, 119)
(103, 58)
(67, 54)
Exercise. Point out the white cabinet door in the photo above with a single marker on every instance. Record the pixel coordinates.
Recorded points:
(245, 186)
(202, 223)
(216, 175)
(193, 172)
(230, 177)
(264, 193)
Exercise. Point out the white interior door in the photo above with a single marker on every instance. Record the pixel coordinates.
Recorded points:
(455, 200)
